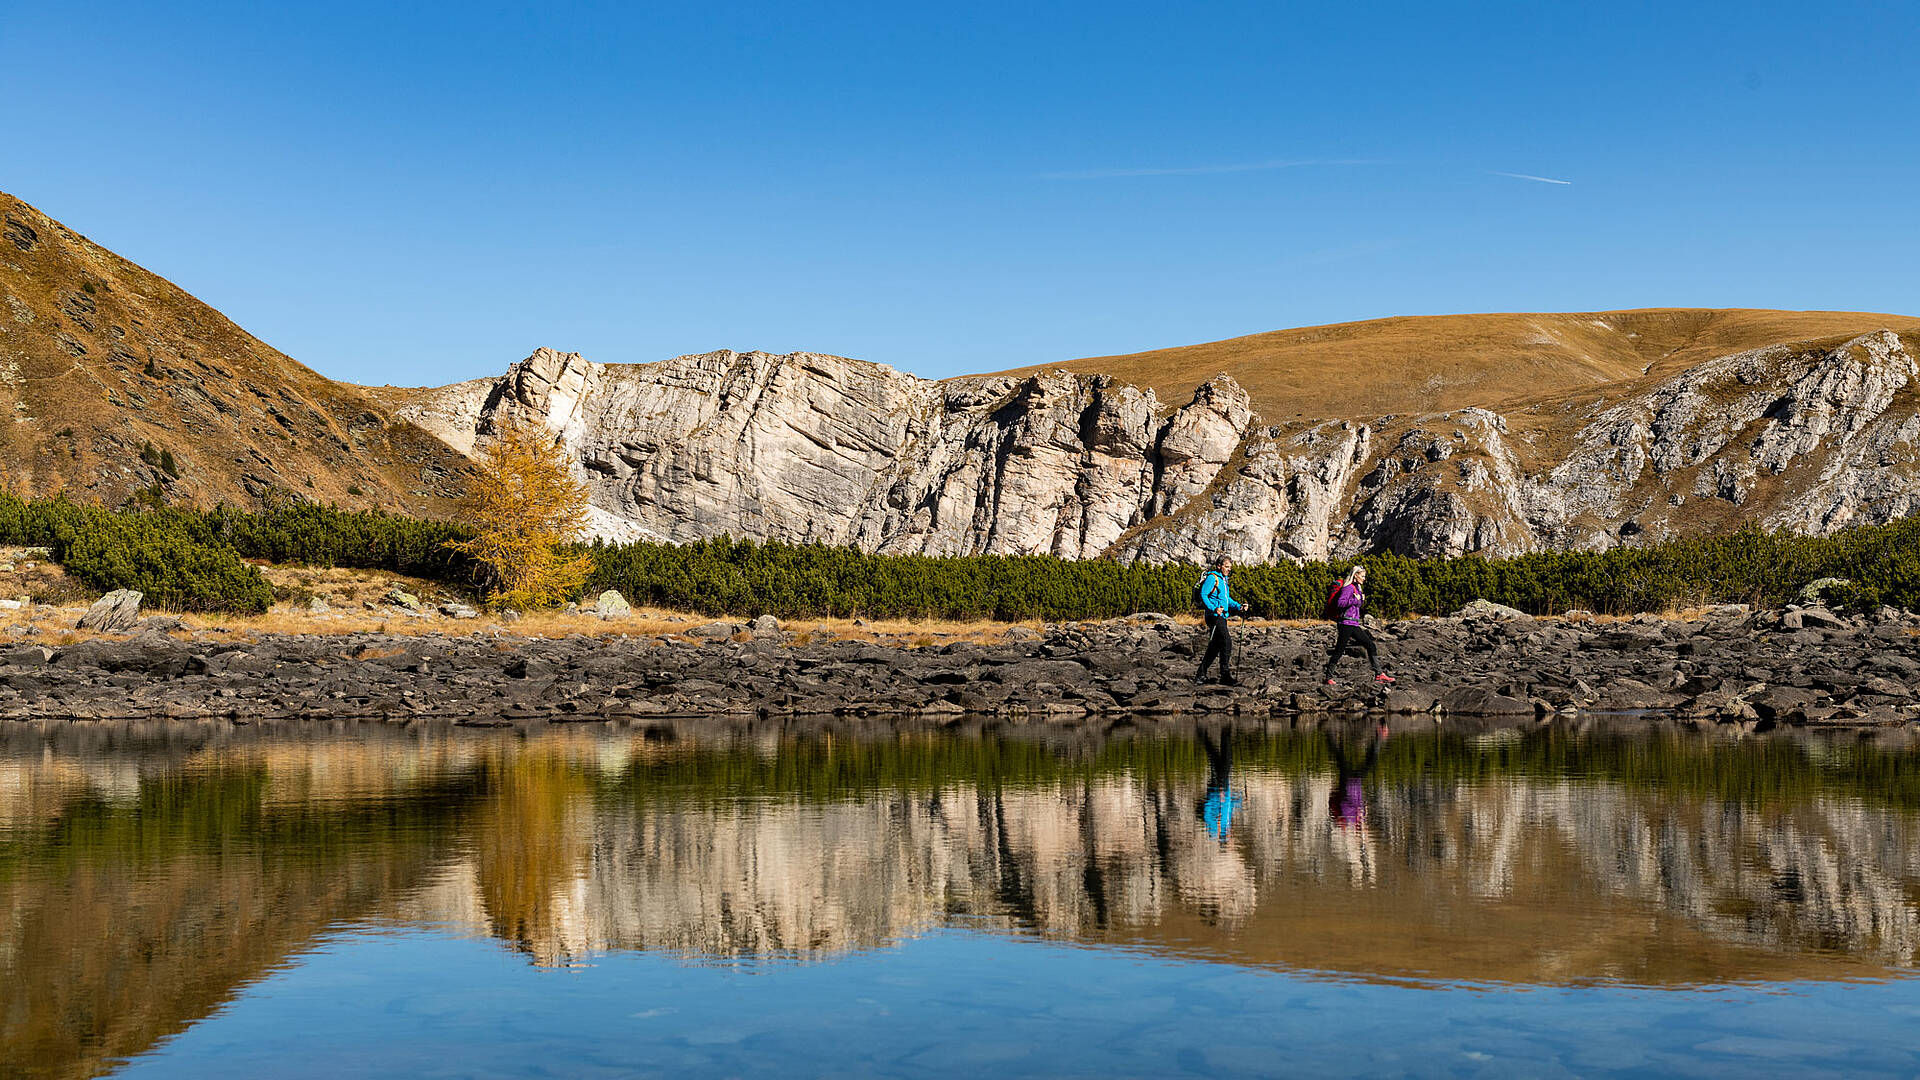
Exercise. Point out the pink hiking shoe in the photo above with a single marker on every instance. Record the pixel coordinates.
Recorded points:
(1383, 677)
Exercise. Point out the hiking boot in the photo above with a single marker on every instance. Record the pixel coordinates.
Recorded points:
(1229, 680)
(1383, 677)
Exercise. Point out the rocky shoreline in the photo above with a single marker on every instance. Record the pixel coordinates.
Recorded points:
(1800, 666)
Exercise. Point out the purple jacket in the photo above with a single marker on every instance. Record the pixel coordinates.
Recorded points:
(1347, 604)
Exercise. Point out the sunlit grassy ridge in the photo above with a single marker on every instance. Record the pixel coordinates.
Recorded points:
(1363, 370)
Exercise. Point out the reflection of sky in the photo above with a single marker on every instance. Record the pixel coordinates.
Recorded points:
(960, 1003)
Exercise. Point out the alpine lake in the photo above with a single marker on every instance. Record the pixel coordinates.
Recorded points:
(1581, 897)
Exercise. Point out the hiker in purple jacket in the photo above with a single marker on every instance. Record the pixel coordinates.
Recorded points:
(1347, 603)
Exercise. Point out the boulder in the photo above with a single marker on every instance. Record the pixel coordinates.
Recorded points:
(114, 613)
(317, 606)
(153, 655)
(1481, 701)
(1813, 592)
(1784, 702)
(766, 626)
(1819, 618)
(1487, 609)
(26, 656)
(611, 605)
(161, 624)
(717, 631)
(399, 597)
(11, 605)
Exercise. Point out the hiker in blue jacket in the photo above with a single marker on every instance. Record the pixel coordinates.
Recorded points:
(1219, 605)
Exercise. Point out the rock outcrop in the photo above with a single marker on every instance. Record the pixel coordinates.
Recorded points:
(1799, 666)
(803, 447)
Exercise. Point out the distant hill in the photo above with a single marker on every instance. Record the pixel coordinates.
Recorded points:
(1435, 435)
(109, 374)
(1363, 370)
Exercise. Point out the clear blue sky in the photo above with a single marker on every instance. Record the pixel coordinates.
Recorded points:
(418, 193)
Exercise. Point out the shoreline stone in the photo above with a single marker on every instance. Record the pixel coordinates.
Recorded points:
(1753, 668)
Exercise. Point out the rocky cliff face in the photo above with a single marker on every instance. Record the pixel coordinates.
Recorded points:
(804, 447)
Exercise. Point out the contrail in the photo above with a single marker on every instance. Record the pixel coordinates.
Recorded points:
(1198, 170)
(1529, 176)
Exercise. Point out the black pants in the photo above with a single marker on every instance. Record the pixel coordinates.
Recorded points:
(1220, 644)
(1353, 635)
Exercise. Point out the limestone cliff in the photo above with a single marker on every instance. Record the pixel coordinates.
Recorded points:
(1804, 436)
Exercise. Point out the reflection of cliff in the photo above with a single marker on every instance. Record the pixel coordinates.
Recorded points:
(1504, 879)
(148, 872)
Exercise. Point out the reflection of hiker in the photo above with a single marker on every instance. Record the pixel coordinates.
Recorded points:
(1347, 802)
(1349, 599)
(1217, 809)
(1219, 604)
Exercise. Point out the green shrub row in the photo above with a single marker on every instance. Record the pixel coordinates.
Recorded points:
(725, 576)
(193, 560)
(164, 554)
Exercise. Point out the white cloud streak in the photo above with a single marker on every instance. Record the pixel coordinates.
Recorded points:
(1529, 176)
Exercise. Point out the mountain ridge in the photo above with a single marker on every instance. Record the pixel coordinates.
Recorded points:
(1424, 435)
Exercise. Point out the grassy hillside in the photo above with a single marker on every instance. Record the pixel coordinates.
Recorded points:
(1363, 370)
(114, 380)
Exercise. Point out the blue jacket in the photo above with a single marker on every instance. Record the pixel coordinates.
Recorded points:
(1214, 596)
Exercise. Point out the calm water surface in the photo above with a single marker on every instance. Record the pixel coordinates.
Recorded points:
(699, 900)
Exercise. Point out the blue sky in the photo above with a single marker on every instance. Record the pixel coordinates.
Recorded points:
(418, 193)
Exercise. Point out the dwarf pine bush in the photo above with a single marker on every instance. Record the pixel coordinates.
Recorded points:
(191, 559)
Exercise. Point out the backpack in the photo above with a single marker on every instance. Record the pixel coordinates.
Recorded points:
(1199, 588)
(1331, 612)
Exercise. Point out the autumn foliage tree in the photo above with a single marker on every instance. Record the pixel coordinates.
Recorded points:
(523, 506)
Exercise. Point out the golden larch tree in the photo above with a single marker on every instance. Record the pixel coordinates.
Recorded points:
(523, 506)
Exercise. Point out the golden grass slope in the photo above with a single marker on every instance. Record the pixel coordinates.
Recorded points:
(99, 357)
(1364, 370)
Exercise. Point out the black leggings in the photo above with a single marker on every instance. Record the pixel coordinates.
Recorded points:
(1220, 644)
(1353, 635)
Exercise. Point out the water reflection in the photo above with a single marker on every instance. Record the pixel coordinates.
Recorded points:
(146, 872)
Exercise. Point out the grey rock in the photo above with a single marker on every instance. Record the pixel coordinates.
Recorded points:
(113, 613)
(26, 656)
(1821, 619)
(11, 605)
(457, 610)
(611, 605)
(163, 624)
(317, 606)
(766, 625)
(715, 630)
(154, 655)
(509, 616)
(1487, 609)
(401, 598)
(1481, 701)
(1813, 592)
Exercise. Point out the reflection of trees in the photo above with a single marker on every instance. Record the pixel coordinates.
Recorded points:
(147, 872)
(135, 900)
